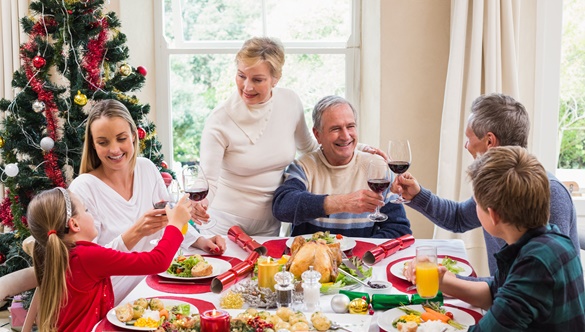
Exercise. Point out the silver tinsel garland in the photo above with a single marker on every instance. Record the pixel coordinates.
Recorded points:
(256, 297)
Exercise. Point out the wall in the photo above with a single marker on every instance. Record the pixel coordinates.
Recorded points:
(404, 65)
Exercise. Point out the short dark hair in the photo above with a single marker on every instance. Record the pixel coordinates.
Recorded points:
(501, 115)
(513, 183)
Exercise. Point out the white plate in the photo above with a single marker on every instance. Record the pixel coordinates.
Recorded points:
(219, 266)
(386, 318)
(111, 316)
(354, 323)
(396, 268)
(345, 244)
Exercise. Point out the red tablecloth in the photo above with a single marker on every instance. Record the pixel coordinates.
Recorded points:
(202, 286)
(201, 305)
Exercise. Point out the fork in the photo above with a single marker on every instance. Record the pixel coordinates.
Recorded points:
(334, 326)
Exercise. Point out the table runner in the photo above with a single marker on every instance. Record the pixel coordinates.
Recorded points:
(401, 284)
(201, 305)
(201, 285)
(277, 247)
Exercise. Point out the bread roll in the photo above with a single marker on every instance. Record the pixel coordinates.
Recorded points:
(201, 269)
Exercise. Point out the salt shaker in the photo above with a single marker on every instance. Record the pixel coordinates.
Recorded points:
(284, 288)
(311, 288)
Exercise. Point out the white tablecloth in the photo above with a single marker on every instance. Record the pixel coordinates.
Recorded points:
(452, 247)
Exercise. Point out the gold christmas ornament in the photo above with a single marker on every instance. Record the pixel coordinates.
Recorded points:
(358, 306)
(80, 99)
(1, 142)
(125, 70)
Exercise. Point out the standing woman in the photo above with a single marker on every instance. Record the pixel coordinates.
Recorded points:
(117, 188)
(249, 140)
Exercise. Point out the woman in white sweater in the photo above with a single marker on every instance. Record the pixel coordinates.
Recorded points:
(249, 140)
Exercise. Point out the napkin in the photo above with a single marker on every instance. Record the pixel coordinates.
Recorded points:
(237, 235)
(235, 274)
(387, 248)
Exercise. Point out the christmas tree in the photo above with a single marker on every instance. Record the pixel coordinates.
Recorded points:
(74, 57)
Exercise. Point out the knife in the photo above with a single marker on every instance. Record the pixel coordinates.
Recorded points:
(345, 260)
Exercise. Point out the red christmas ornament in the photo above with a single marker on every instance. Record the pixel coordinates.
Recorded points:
(69, 11)
(39, 62)
(163, 164)
(141, 133)
(2, 258)
(141, 70)
(167, 178)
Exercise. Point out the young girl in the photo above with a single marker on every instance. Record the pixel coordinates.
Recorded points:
(74, 273)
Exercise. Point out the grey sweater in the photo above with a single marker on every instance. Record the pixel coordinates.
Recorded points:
(459, 217)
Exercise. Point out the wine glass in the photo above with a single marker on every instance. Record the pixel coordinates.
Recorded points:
(378, 181)
(399, 159)
(195, 184)
(163, 195)
(427, 272)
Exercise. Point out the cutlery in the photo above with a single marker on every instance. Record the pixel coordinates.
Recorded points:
(413, 287)
(345, 260)
(177, 282)
(334, 326)
(347, 274)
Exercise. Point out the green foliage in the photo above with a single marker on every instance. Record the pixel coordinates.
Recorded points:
(84, 51)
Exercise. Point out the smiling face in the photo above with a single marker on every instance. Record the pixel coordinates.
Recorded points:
(113, 142)
(474, 144)
(255, 82)
(338, 134)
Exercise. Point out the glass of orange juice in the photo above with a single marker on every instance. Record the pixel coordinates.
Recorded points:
(427, 272)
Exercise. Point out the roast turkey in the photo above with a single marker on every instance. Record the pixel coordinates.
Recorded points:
(325, 258)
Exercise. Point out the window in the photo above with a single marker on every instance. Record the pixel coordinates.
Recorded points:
(201, 37)
(572, 95)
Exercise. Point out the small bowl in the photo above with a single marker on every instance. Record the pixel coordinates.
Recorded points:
(383, 290)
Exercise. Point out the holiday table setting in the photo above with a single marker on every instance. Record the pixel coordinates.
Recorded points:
(242, 252)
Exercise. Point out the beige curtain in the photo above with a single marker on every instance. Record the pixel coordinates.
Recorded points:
(11, 37)
(483, 59)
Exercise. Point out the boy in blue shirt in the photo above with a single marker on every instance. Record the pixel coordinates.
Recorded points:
(539, 282)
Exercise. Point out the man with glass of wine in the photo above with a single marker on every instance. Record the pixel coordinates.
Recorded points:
(337, 187)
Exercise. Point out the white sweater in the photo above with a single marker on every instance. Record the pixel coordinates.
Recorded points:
(244, 151)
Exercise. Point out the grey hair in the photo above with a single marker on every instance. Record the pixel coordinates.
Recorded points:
(501, 115)
(324, 104)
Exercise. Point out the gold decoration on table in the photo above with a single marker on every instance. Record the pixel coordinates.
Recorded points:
(358, 306)
(232, 300)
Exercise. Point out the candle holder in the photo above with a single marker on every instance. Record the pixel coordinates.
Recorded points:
(267, 268)
(215, 321)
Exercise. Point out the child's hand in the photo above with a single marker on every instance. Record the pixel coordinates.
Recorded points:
(180, 214)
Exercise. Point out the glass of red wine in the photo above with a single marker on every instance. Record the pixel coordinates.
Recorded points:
(195, 184)
(399, 158)
(378, 181)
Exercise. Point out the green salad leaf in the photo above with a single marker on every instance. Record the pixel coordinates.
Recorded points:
(451, 265)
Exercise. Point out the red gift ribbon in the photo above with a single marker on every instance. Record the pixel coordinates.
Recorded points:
(387, 248)
(235, 274)
(244, 241)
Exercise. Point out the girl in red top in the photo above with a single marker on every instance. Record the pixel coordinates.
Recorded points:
(73, 272)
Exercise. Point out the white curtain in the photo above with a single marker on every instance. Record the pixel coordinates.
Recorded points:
(11, 36)
(483, 59)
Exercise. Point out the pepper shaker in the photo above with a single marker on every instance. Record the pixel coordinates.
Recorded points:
(284, 288)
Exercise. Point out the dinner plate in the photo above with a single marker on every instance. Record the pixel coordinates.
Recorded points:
(397, 267)
(387, 317)
(354, 323)
(346, 243)
(219, 266)
(111, 316)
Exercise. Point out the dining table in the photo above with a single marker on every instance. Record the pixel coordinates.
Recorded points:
(149, 288)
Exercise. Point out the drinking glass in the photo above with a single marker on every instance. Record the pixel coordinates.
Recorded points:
(378, 181)
(427, 272)
(399, 159)
(195, 184)
(163, 195)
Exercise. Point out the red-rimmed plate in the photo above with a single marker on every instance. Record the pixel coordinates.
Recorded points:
(346, 243)
(397, 266)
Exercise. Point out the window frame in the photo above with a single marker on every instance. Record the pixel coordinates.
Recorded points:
(163, 52)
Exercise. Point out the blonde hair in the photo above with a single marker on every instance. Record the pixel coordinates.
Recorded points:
(514, 184)
(258, 49)
(47, 212)
(109, 108)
